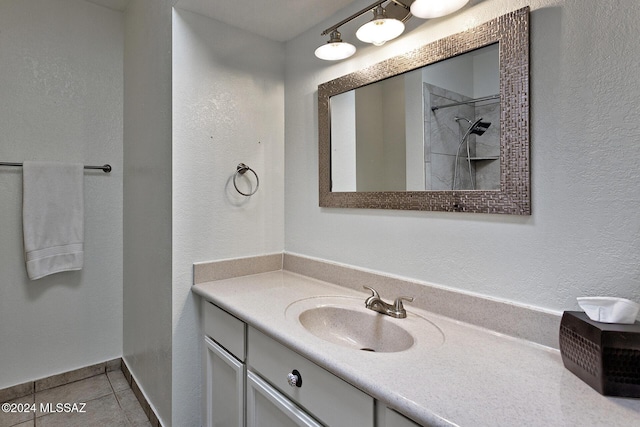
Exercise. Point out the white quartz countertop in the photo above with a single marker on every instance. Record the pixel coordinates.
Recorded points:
(475, 378)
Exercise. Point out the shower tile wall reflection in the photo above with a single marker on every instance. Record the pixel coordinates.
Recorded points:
(442, 141)
(488, 145)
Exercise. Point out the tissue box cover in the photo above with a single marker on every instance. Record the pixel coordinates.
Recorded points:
(604, 355)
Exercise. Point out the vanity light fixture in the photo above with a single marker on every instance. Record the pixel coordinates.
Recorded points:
(382, 20)
(387, 24)
(335, 49)
(380, 29)
(428, 9)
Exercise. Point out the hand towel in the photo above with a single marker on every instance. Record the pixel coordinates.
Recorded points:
(52, 217)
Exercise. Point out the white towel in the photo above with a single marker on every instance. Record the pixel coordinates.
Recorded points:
(52, 217)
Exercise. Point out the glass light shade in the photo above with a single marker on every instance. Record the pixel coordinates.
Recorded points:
(427, 9)
(335, 51)
(380, 31)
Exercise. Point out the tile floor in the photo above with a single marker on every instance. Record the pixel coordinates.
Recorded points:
(108, 398)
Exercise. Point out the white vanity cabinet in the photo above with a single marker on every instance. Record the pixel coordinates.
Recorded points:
(224, 345)
(254, 381)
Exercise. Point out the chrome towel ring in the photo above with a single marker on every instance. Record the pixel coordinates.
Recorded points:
(241, 169)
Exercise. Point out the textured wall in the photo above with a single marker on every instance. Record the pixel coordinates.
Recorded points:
(583, 236)
(228, 107)
(147, 200)
(61, 100)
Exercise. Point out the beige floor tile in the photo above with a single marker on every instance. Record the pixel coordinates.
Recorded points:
(100, 412)
(132, 409)
(109, 402)
(24, 404)
(118, 381)
(140, 423)
(77, 392)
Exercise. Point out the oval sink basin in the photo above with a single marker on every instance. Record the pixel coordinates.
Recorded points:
(356, 329)
(346, 322)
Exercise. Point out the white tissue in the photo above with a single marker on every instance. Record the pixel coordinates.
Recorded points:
(609, 309)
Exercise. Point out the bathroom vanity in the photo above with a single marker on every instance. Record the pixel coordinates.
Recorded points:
(271, 362)
(275, 386)
(242, 361)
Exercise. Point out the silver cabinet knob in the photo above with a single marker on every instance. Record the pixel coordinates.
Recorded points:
(294, 378)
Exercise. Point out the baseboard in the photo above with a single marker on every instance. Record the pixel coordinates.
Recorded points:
(137, 391)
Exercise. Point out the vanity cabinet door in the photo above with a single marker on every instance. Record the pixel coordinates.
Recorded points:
(267, 407)
(224, 387)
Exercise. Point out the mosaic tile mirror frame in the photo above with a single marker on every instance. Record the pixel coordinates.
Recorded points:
(511, 193)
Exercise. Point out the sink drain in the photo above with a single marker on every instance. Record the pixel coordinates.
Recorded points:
(368, 349)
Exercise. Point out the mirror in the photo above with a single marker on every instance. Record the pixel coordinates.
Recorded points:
(444, 127)
(415, 131)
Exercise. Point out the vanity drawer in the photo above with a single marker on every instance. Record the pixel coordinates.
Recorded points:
(330, 399)
(225, 329)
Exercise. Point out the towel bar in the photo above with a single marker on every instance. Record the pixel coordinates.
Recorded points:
(105, 168)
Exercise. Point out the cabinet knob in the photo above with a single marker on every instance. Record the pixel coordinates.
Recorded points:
(294, 378)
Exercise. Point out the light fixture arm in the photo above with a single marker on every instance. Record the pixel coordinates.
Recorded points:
(399, 3)
(360, 13)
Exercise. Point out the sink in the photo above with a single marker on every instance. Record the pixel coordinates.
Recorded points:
(346, 322)
(356, 329)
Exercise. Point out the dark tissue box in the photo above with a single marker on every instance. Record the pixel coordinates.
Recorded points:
(604, 355)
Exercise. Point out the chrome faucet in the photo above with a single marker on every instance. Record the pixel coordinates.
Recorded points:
(375, 303)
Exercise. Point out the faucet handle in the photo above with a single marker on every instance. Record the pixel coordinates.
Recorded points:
(374, 293)
(398, 303)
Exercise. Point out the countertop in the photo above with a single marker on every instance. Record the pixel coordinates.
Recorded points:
(475, 378)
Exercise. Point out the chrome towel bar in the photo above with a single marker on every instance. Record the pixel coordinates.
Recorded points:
(104, 168)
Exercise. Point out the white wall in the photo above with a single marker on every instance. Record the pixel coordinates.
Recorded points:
(414, 120)
(228, 108)
(343, 141)
(369, 138)
(486, 72)
(583, 235)
(61, 100)
(147, 200)
(394, 135)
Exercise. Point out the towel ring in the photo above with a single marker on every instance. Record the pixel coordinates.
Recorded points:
(241, 169)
